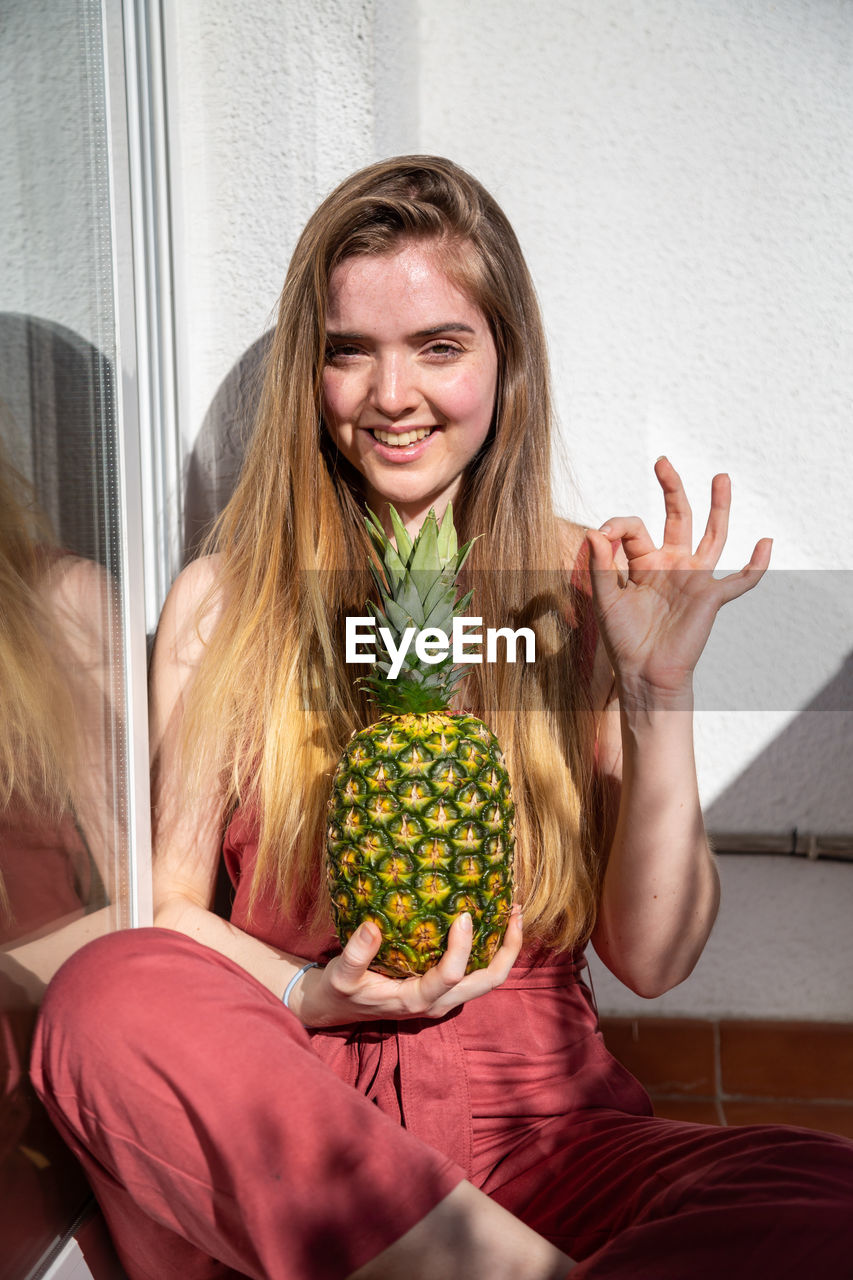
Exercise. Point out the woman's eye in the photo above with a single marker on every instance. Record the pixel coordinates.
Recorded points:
(342, 352)
(444, 350)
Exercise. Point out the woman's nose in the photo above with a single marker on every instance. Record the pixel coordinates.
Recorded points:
(393, 391)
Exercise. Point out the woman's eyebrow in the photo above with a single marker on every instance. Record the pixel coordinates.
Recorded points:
(453, 326)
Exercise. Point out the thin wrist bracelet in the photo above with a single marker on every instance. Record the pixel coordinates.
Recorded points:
(285, 999)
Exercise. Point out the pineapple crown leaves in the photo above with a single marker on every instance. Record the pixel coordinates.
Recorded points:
(417, 585)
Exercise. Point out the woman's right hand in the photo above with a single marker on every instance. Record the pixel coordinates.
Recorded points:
(348, 990)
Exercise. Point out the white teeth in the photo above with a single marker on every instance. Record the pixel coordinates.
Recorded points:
(399, 439)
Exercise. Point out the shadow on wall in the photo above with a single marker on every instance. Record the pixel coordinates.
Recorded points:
(58, 399)
(800, 780)
(802, 776)
(217, 455)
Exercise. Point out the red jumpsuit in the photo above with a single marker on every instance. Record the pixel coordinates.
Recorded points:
(222, 1138)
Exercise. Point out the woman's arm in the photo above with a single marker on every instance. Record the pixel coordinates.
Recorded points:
(78, 597)
(661, 891)
(187, 833)
(187, 840)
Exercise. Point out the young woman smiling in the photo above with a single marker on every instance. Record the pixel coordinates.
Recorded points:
(410, 378)
(448, 1124)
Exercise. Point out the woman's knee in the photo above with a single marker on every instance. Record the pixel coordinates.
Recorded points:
(114, 999)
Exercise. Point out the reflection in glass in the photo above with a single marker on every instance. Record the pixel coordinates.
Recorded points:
(52, 700)
(55, 815)
(63, 837)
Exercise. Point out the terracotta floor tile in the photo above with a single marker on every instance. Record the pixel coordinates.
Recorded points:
(696, 1110)
(808, 1060)
(668, 1055)
(827, 1116)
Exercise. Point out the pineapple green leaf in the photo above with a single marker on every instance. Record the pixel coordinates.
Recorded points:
(440, 620)
(399, 617)
(426, 545)
(384, 547)
(417, 587)
(378, 579)
(404, 542)
(447, 536)
(376, 534)
(392, 562)
(377, 613)
(410, 602)
(374, 524)
(439, 611)
(386, 577)
(462, 555)
(440, 589)
(423, 583)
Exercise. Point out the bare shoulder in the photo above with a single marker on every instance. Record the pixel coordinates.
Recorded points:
(197, 591)
(192, 609)
(75, 586)
(190, 614)
(77, 595)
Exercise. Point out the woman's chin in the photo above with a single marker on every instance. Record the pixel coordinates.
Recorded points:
(411, 498)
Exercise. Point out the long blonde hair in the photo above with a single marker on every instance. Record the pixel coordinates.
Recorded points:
(274, 702)
(36, 716)
(35, 751)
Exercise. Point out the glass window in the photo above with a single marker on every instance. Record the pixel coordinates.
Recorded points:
(66, 796)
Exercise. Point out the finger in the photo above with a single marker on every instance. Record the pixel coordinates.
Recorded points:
(678, 526)
(357, 955)
(509, 950)
(604, 576)
(713, 539)
(630, 533)
(737, 584)
(480, 981)
(458, 951)
(450, 970)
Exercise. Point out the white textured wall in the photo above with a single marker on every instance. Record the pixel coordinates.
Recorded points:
(681, 178)
(54, 215)
(48, 250)
(270, 105)
(780, 948)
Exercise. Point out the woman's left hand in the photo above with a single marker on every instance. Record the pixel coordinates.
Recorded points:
(655, 620)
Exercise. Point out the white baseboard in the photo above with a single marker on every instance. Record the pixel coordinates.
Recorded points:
(69, 1264)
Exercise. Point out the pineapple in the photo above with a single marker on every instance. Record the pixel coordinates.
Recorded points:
(420, 824)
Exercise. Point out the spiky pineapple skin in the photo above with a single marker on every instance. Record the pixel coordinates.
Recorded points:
(420, 829)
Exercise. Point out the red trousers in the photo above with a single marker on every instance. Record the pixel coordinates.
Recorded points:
(221, 1138)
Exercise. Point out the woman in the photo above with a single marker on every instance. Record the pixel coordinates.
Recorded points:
(450, 1123)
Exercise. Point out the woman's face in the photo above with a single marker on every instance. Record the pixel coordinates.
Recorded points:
(410, 378)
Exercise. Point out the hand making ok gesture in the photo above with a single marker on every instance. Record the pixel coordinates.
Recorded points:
(656, 618)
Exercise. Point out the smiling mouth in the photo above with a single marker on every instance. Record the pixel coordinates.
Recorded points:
(399, 439)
